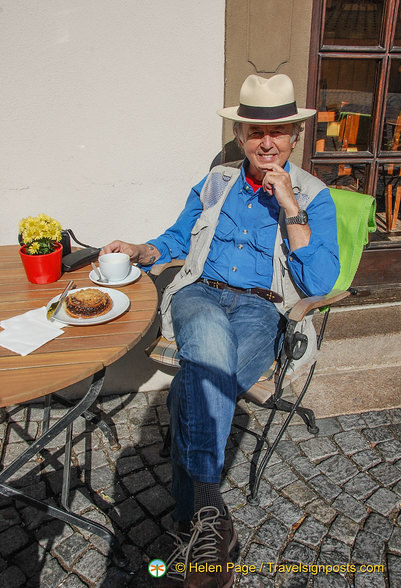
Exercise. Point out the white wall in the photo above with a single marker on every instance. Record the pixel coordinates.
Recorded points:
(107, 111)
(108, 117)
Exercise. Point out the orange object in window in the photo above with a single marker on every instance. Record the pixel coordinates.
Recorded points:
(344, 169)
(349, 130)
(326, 116)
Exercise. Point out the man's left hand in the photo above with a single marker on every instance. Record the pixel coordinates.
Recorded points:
(278, 181)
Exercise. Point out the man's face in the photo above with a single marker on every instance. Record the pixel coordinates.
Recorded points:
(266, 144)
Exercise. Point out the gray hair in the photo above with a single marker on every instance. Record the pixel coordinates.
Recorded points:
(298, 128)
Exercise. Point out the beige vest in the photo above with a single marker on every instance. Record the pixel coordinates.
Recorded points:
(213, 195)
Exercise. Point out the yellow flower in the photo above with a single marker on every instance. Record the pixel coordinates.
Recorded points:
(39, 233)
(33, 248)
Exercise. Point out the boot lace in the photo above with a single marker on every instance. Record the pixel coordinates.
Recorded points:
(203, 545)
(177, 557)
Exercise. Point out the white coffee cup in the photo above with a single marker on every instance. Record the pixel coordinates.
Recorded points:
(115, 266)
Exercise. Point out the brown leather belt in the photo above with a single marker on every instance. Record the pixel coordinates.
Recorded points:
(262, 292)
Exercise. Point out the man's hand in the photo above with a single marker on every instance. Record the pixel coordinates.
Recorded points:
(121, 247)
(144, 253)
(278, 180)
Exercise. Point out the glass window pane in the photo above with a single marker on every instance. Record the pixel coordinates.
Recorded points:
(345, 104)
(353, 23)
(397, 37)
(388, 194)
(392, 119)
(351, 176)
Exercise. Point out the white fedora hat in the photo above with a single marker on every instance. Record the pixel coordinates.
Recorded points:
(267, 101)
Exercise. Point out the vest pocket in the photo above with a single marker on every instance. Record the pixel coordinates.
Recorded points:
(200, 224)
(198, 248)
(288, 290)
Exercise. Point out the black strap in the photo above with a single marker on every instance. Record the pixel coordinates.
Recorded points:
(73, 237)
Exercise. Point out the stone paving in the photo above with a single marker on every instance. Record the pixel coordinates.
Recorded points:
(328, 500)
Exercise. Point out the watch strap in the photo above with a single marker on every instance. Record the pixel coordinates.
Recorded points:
(300, 219)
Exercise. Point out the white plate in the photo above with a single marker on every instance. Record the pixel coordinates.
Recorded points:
(132, 276)
(120, 305)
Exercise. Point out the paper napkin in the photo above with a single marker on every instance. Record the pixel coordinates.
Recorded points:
(26, 332)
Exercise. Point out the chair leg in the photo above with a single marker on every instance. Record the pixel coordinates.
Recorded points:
(277, 403)
(273, 404)
(307, 414)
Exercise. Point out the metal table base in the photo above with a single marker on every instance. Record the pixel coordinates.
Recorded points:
(65, 422)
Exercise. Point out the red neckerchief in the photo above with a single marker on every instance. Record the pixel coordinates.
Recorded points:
(255, 185)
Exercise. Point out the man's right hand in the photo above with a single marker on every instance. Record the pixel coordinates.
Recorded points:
(121, 247)
(143, 253)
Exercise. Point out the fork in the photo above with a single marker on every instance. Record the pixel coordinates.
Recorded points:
(101, 278)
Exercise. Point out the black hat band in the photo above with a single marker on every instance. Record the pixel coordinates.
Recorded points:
(267, 112)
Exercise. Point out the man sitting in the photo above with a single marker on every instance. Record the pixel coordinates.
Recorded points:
(255, 240)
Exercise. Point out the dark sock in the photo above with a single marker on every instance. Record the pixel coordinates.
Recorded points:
(208, 495)
(183, 527)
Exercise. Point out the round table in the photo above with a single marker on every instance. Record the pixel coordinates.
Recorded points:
(82, 350)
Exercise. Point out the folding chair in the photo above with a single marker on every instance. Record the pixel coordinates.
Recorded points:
(355, 219)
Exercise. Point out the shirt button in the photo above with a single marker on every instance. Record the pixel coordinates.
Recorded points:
(245, 231)
(249, 205)
(240, 246)
(291, 257)
(234, 268)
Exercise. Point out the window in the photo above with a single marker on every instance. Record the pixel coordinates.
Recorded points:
(355, 85)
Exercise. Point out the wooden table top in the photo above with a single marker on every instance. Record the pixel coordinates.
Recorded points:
(80, 351)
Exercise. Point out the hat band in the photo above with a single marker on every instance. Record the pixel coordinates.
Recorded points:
(267, 112)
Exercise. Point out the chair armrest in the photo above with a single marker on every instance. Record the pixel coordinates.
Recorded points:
(159, 268)
(305, 305)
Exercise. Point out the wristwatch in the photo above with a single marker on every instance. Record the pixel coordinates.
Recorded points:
(300, 219)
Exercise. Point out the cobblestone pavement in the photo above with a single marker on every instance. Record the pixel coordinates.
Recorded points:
(331, 499)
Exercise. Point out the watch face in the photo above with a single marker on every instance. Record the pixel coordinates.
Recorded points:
(303, 217)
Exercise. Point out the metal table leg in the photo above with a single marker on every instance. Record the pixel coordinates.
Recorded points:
(63, 514)
(95, 420)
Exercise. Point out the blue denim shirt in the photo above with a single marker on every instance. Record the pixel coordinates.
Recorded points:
(241, 252)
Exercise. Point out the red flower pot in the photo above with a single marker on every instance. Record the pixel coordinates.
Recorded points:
(42, 269)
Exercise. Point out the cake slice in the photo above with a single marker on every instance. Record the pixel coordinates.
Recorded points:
(87, 303)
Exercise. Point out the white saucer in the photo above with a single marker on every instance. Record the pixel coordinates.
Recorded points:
(120, 305)
(132, 276)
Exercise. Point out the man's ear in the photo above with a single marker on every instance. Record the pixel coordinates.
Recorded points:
(294, 141)
(237, 130)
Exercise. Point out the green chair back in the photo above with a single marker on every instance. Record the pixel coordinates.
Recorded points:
(355, 220)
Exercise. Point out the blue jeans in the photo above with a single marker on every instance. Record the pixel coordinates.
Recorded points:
(226, 340)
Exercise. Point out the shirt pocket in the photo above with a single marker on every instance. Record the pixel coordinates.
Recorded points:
(225, 228)
(224, 234)
(264, 255)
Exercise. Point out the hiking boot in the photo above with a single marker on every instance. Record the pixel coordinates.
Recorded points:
(213, 541)
(175, 564)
